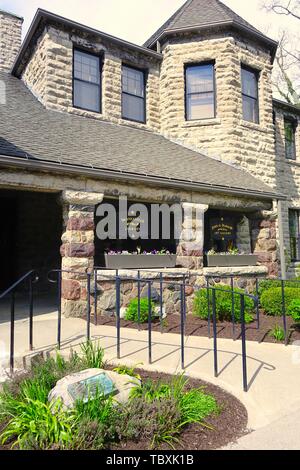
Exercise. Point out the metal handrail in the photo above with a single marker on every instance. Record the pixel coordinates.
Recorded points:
(32, 277)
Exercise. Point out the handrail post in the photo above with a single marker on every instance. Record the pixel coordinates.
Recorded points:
(283, 311)
(214, 315)
(118, 320)
(30, 314)
(88, 332)
(139, 300)
(182, 322)
(59, 290)
(208, 306)
(149, 324)
(12, 332)
(95, 297)
(161, 301)
(244, 354)
(257, 305)
(232, 307)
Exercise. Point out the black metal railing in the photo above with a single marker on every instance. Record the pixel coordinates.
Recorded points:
(30, 278)
(257, 280)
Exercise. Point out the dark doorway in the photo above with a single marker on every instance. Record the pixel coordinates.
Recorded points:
(7, 242)
(31, 229)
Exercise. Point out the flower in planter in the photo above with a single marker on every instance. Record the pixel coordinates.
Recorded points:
(138, 252)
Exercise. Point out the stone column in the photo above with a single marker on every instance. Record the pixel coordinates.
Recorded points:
(190, 247)
(78, 249)
(264, 240)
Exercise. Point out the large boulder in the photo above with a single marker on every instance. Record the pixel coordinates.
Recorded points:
(62, 391)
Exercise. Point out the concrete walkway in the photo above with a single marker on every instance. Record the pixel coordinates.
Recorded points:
(273, 369)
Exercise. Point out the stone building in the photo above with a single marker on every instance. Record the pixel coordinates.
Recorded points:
(188, 118)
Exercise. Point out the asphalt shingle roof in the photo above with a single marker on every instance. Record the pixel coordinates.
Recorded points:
(200, 13)
(27, 129)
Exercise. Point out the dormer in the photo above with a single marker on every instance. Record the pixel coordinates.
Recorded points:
(72, 68)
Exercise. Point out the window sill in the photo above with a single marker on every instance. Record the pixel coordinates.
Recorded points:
(292, 162)
(253, 126)
(202, 122)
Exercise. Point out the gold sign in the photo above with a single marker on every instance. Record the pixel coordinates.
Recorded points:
(222, 228)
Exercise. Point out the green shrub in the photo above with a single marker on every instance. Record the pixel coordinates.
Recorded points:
(294, 310)
(223, 304)
(271, 299)
(266, 284)
(132, 310)
(196, 405)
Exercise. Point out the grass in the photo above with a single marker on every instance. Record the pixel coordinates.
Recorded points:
(278, 333)
(157, 411)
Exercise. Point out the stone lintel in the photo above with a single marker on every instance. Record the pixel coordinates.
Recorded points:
(236, 271)
(81, 198)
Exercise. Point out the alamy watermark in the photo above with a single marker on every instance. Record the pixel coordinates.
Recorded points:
(131, 221)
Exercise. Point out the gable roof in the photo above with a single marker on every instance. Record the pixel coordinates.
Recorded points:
(36, 138)
(200, 13)
(43, 17)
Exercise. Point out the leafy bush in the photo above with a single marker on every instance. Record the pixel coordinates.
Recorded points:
(132, 310)
(196, 405)
(223, 304)
(271, 299)
(278, 333)
(294, 310)
(32, 421)
(267, 284)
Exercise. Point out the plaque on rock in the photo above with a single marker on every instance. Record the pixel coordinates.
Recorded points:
(91, 387)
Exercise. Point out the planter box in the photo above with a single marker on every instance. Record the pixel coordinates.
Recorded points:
(140, 261)
(227, 261)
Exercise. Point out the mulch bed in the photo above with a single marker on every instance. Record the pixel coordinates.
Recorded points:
(197, 327)
(227, 427)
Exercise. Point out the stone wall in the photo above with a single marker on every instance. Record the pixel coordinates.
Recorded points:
(264, 240)
(287, 175)
(10, 39)
(49, 75)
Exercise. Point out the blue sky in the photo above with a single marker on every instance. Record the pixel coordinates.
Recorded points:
(135, 20)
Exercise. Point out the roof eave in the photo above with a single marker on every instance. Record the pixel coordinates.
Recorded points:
(46, 15)
(117, 175)
(289, 106)
(271, 43)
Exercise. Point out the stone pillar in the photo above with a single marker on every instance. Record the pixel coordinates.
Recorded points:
(264, 240)
(78, 249)
(243, 239)
(190, 247)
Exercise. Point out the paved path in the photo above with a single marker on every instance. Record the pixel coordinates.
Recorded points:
(273, 370)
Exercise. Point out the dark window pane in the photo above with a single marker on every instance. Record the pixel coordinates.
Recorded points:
(294, 234)
(86, 67)
(289, 130)
(200, 79)
(133, 82)
(250, 109)
(87, 96)
(200, 106)
(133, 108)
(249, 83)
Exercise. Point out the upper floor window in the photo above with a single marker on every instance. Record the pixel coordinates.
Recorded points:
(200, 92)
(289, 137)
(250, 95)
(87, 81)
(133, 94)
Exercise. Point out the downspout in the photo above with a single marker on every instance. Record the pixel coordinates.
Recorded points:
(281, 240)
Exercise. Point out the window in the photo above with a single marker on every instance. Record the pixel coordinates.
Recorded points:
(294, 234)
(250, 95)
(289, 137)
(133, 94)
(200, 92)
(87, 81)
